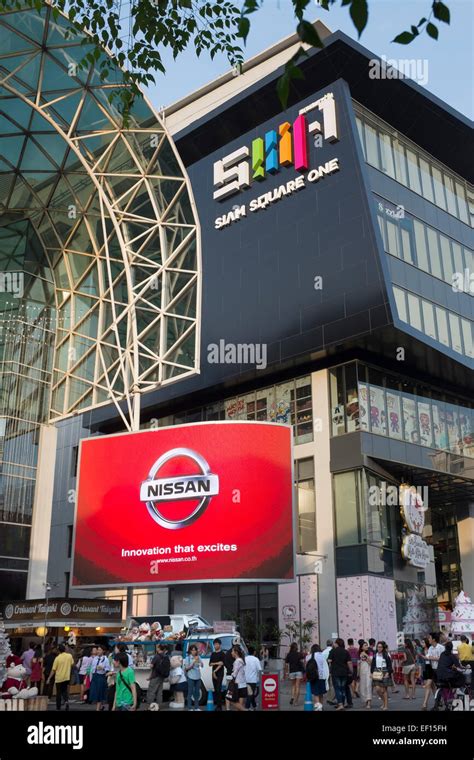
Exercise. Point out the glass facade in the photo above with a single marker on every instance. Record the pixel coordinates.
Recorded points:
(399, 409)
(445, 326)
(416, 243)
(288, 403)
(28, 314)
(254, 606)
(393, 154)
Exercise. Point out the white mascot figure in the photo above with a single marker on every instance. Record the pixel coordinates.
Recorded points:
(15, 686)
(177, 680)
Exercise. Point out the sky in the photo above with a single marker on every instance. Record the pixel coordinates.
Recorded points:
(447, 64)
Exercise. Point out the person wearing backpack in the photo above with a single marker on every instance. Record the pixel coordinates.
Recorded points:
(317, 671)
(125, 687)
(160, 670)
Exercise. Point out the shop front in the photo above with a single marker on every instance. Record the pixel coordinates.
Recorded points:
(73, 621)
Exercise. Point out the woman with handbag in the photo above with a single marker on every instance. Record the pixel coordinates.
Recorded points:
(237, 690)
(381, 669)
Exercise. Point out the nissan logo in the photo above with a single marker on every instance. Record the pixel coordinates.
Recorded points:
(154, 491)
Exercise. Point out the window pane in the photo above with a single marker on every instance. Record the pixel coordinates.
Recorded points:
(401, 304)
(388, 165)
(462, 206)
(428, 319)
(443, 334)
(433, 249)
(372, 147)
(426, 183)
(450, 195)
(392, 238)
(413, 172)
(421, 253)
(414, 311)
(406, 246)
(382, 232)
(446, 259)
(347, 531)
(458, 260)
(467, 337)
(400, 165)
(352, 398)
(360, 128)
(438, 185)
(455, 333)
(337, 400)
(306, 507)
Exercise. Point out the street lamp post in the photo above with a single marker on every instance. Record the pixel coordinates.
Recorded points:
(48, 587)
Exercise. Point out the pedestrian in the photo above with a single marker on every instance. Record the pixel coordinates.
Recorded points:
(466, 653)
(409, 669)
(419, 651)
(62, 667)
(365, 680)
(354, 655)
(192, 668)
(125, 698)
(85, 664)
(111, 679)
(434, 651)
(294, 671)
(317, 675)
(26, 658)
(160, 670)
(264, 656)
(217, 663)
(253, 670)
(331, 696)
(341, 668)
(37, 668)
(371, 649)
(48, 660)
(382, 669)
(237, 692)
(98, 688)
(229, 665)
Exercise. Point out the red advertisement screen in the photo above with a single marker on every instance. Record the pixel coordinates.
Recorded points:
(204, 502)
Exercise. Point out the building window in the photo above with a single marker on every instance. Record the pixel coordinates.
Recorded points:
(347, 512)
(69, 540)
(306, 500)
(438, 185)
(254, 607)
(74, 458)
(418, 313)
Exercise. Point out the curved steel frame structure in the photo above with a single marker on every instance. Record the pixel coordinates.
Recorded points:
(113, 208)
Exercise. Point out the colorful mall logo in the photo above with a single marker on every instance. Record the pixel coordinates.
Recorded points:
(288, 147)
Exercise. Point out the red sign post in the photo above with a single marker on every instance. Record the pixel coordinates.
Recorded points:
(190, 503)
(270, 691)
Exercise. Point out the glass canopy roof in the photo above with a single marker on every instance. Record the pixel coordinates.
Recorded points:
(112, 208)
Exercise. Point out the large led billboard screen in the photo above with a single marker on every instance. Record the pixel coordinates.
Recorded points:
(204, 502)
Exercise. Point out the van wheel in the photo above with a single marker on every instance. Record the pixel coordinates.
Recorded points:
(203, 697)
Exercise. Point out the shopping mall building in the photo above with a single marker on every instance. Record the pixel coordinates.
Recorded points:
(228, 260)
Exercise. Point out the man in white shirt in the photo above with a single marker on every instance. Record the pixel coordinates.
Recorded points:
(331, 696)
(434, 651)
(253, 669)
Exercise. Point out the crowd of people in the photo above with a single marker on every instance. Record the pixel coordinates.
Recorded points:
(337, 675)
(343, 673)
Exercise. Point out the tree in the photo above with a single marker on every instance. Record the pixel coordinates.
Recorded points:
(136, 33)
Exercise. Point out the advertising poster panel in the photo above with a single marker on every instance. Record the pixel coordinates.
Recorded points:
(203, 502)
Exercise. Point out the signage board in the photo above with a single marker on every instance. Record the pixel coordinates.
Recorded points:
(270, 691)
(190, 503)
